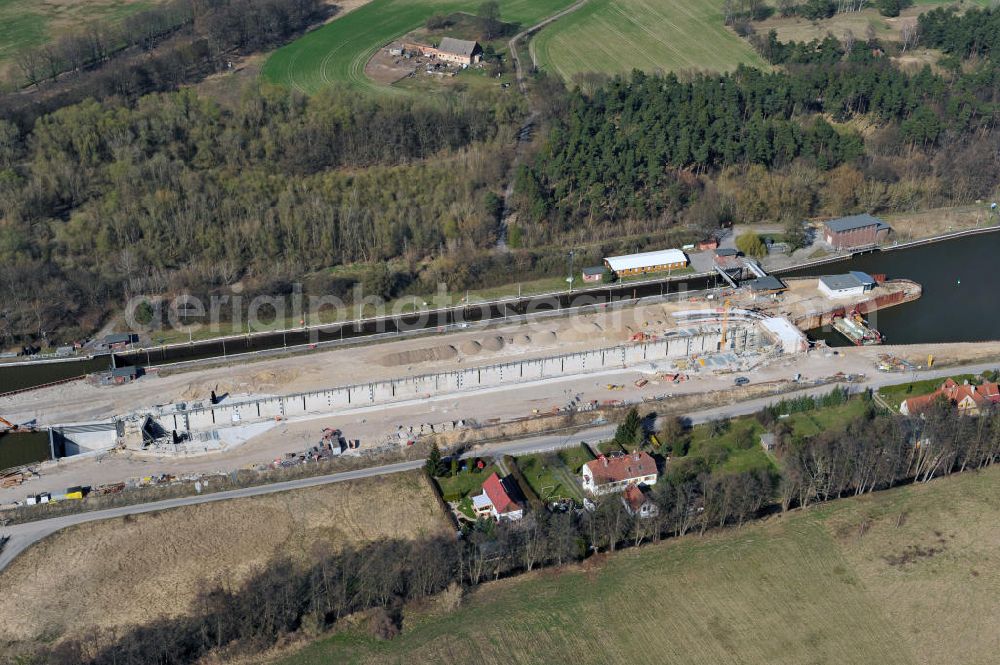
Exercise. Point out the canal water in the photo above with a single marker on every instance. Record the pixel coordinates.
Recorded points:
(959, 277)
(961, 291)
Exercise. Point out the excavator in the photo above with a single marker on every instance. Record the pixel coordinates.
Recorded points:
(11, 427)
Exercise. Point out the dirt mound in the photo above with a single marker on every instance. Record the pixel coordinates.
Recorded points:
(547, 337)
(522, 339)
(493, 343)
(583, 331)
(471, 347)
(429, 354)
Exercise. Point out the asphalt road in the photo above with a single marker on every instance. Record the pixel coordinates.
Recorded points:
(22, 536)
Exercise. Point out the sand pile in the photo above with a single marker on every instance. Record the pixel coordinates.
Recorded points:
(521, 339)
(429, 354)
(583, 331)
(471, 347)
(493, 343)
(547, 337)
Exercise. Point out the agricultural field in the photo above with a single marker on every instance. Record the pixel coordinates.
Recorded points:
(902, 577)
(139, 568)
(617, 36)
(27, 23)
(338, 52)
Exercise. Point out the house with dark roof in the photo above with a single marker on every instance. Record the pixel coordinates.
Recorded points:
(617, 473)
(855, 231)
(498, 499)
(593, 274)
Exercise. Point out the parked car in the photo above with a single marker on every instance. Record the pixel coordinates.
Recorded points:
(742, 380)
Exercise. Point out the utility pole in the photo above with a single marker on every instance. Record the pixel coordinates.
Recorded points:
(570, 278)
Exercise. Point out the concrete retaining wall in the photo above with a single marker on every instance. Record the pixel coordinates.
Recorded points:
(394, 390)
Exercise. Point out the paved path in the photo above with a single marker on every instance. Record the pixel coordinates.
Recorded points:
(23, 536)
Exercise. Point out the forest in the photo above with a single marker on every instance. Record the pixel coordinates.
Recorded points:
(633, 148)
(173, 193)
(874, 451)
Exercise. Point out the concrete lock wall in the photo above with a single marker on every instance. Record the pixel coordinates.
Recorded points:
(472, 378)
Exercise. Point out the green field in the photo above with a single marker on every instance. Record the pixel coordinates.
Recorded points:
(338, 52)
(27, 23)
(617, 36)
(905, 576)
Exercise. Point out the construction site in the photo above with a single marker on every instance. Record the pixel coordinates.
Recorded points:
(387, 396)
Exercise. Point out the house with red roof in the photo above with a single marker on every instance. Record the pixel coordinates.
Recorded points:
(616, 473)
(497, 500)
(969, 399)
(637, 504)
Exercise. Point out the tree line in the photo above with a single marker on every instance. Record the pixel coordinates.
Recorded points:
(155, 49)
(872, 452)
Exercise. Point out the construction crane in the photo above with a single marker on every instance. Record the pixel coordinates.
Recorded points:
(725, 323)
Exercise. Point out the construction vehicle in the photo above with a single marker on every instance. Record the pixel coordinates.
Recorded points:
(12, 428)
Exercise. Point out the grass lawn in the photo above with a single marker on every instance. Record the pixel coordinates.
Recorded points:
(550, 477)
(737, 449)
(338, 51)
(811, 423)
(895, 395)
(464, 484)
(617, 36)
(574, 458)
(917, 585)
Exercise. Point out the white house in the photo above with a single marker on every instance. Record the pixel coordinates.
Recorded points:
(616, 474)
(854, 283)
(638, 504)
(496, 501)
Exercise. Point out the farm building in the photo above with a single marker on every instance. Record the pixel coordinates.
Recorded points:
(854, 283)
(593, 274)
(645, 262)
(459, 51)
(616, 474)
(969, 399)
(456, 51)
(855, 231)
(497, 500)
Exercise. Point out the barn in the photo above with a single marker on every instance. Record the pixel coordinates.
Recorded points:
(855, 231)
(459, 51)
(645, 262)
